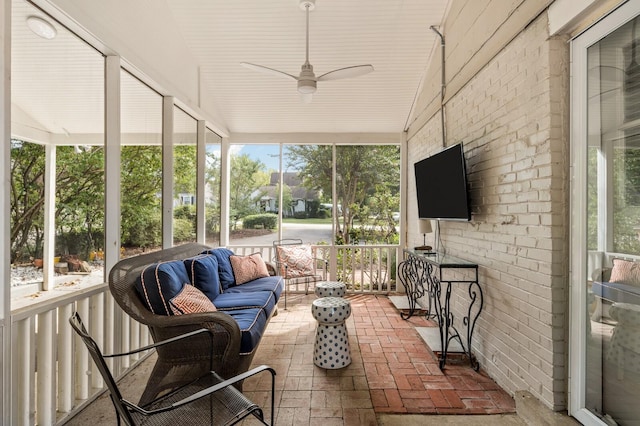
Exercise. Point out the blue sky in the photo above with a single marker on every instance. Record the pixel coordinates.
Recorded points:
(268, 154)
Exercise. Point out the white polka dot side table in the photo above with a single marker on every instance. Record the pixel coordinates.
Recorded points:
(330, 289)
(331, 349)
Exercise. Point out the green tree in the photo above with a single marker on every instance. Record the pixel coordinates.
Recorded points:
(79, 199)
(362, 170)
(245, 179)
(27, 200)
(184, 169)
(141, 203)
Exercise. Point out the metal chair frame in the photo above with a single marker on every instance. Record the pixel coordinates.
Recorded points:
(308, 278)
(207, 397)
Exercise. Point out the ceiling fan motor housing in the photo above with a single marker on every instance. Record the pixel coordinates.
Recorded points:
(311, 4)
(307, 79)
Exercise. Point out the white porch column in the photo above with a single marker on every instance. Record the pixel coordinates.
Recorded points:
(225, 174)
(201, 234)
(167, 172)
(5, 257)
(112, 164)
(49, 216)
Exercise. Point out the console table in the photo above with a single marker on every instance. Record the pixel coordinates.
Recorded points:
(434, 275)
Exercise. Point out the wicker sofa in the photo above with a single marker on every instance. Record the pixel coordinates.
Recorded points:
(144, 287)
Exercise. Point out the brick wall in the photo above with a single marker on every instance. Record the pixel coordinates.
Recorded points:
(512, 118)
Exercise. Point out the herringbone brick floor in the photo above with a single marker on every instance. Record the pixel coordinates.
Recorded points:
(392, 370)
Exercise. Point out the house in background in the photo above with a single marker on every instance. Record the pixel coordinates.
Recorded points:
(301, 199)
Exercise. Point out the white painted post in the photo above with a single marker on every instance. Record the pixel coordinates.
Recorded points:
(46, 367)
(126, 324)
(65, 360)
(82, 356)
(49, 216)
(200, 182)
(135, 339)
(109, 333)
(23, 372)
(167, 171)
(96, 330)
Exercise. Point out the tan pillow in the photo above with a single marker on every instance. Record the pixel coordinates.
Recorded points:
(248, 268)
(298, 260)
(625, 272)
(190, 300)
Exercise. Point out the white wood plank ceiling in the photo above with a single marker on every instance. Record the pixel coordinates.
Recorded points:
(392, 35)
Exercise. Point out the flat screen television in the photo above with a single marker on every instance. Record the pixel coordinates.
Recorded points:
(441, 186)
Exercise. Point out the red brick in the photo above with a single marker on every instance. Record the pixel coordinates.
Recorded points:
(438, 398)
(453, 398)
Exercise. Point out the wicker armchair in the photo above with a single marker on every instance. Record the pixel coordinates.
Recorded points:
(178, 364)
(208, 399)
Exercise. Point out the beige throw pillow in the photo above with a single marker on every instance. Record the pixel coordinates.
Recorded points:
(248, 268)
(298, 260)
(625, 272)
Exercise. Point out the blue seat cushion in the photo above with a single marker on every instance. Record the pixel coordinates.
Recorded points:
(273, 284)
(617, 292)
(225, 271)
(252, 323)
(265, 300)
(159, 283)
(203, 274)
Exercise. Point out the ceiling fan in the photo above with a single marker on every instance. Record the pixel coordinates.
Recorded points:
(307, 80)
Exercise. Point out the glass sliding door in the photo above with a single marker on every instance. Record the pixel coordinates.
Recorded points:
(606, 240)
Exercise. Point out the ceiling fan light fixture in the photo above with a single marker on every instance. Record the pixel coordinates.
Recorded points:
(307, 86)
(41, 27)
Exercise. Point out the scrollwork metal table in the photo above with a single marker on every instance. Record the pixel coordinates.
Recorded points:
(434, 275)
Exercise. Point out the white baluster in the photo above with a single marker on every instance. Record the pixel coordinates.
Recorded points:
(23, 340)
(46, 366)
(96, 327)
(65, 360)
(82, 356)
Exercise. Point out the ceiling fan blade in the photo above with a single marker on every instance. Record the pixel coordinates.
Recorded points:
(267, 70)
(347, 72)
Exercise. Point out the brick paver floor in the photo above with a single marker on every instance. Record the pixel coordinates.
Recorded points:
(392, 370)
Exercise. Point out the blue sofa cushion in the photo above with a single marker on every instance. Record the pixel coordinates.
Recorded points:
(265, 300)
(203, 274)
(273, 284)
(252, 323)
(617, 292)
(159, 283)
(225, 271)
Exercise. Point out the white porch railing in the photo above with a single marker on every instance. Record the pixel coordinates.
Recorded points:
(52, 374)
(364, 268)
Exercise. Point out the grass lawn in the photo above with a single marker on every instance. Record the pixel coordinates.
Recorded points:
(309, 221)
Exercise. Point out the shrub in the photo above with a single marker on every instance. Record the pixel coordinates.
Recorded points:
(264, 220)
(183, 230)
